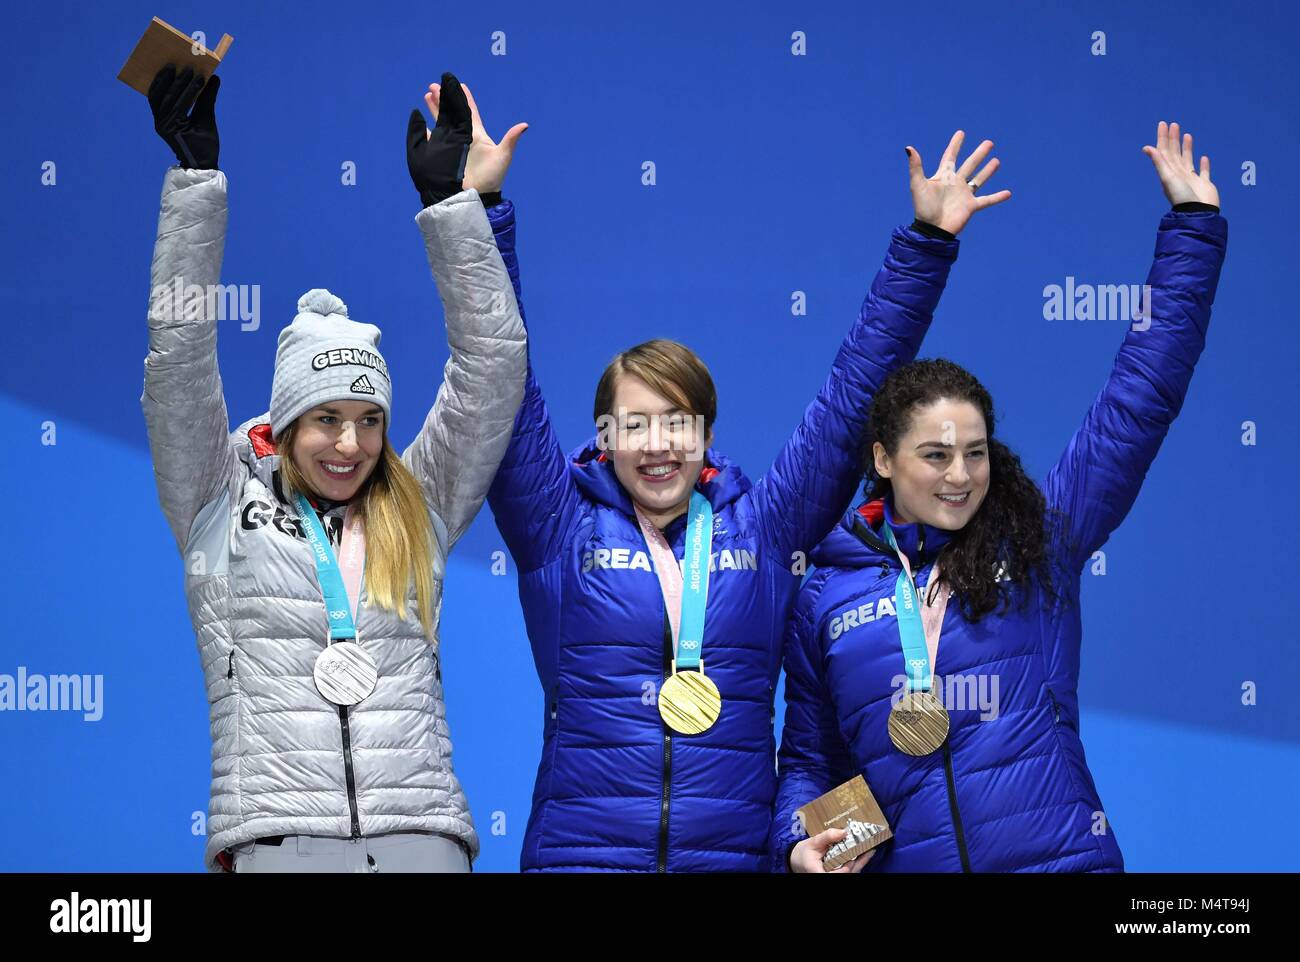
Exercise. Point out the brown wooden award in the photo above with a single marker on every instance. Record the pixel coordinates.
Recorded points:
(852, 807)
(162, 44)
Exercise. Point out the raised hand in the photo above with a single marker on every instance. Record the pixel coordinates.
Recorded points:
(1175, 162)
(436, 158)
(488, 161)
(948, 199)
(192, 135)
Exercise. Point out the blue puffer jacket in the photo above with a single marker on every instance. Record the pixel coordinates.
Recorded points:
(616, 789)
(1010, 791)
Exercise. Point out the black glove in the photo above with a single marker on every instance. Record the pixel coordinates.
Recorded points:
(193, 138)
(436, 159)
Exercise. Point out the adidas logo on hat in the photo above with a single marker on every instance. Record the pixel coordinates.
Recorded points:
(362, 385)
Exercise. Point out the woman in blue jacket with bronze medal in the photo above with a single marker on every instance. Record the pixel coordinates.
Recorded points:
(655, 577)
(979, 767)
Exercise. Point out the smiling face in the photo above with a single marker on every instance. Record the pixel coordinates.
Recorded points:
(337, 445)
(940, 472)
(656, 448)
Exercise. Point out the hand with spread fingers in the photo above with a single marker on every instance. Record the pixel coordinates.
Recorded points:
(191, 134)
(488, 161)
(949, 198)
(436, 158)
(1175, 163)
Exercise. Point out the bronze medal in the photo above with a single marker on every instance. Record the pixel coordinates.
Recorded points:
(918, 724)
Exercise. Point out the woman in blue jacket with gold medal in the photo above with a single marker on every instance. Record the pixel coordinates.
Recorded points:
(634, 775)
(979, 767)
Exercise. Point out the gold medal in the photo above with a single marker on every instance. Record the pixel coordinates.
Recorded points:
(689, 702)
(918, 724)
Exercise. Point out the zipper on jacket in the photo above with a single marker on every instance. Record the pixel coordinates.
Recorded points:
(1056, 707)
(952, 807)
(347, 768)
(230, 670)
(662, 865)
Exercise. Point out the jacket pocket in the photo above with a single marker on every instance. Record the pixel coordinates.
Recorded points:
(1056, 712)
(552, 731)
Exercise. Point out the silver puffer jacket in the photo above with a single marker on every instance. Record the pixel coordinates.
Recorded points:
(284, 760)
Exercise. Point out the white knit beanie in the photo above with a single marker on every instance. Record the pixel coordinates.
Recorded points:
(322, 356)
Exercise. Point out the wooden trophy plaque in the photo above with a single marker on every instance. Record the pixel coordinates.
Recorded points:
(162, 44)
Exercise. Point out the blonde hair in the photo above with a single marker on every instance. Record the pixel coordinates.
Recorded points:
(399, 535)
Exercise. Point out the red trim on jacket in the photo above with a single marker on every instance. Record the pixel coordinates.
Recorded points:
(263, 443)
(873, 511)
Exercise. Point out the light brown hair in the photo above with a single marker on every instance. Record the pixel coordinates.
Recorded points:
(669, 369)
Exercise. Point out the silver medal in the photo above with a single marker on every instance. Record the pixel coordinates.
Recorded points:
(345, 673)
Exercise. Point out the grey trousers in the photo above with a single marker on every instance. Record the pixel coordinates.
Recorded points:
(397, 852)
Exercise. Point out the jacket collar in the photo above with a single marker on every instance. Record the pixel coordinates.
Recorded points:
(919, 542)
(721, 481)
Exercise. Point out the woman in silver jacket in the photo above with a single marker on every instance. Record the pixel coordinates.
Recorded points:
(330, 746)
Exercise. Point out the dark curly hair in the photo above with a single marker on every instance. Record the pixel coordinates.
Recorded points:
(1009, 529)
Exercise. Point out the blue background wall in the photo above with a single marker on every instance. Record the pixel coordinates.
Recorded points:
(775, 173)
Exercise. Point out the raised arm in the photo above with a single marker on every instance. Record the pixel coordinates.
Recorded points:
(1097, 479)
(468, 428)
(184, 407)
(813, 477)
(813, 758)
(533, 495)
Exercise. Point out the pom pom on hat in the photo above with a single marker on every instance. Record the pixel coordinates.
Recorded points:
(322, 302)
